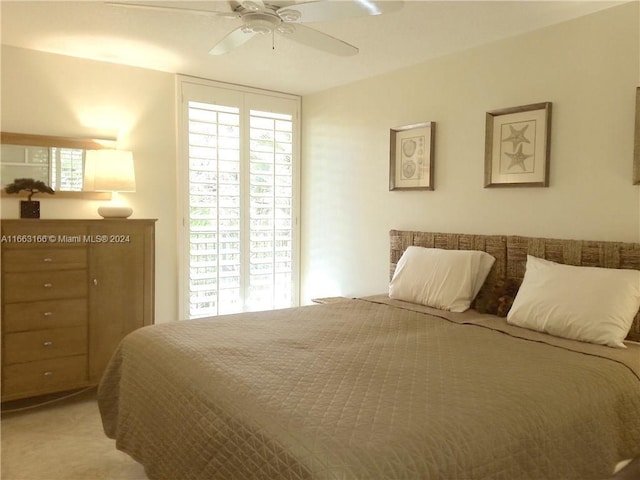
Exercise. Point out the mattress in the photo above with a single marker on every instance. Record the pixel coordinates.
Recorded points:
(369, 389)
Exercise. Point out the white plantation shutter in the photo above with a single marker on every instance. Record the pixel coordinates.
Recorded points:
(271, 211)
(214, 209)
(241, 204)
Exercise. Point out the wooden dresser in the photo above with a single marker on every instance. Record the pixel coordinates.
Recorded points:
(71, 290)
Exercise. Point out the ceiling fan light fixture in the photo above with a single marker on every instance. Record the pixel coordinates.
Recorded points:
(259, 22)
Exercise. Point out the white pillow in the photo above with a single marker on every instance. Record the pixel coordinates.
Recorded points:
(589, 304)
(443, 279)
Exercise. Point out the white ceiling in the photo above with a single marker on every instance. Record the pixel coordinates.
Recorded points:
(179, 42)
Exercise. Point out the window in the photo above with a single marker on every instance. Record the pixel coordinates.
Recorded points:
(239, 170)
(67, 169)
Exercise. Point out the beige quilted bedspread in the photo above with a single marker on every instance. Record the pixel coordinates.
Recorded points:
(369, 389)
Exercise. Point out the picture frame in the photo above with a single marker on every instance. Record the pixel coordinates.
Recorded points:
(518, 146)
(411, 157)
(636, 148)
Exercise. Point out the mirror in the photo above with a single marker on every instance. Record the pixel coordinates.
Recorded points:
(57, 161)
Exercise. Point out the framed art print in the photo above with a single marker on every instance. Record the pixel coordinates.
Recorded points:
(411, 157)
(517, 146)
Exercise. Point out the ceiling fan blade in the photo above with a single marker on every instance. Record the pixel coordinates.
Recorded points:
(148, 6)
(316, 39)
(233, 40)
(324, 11)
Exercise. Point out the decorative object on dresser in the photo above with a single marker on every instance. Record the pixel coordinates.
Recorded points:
(636, 150)
(518, 146)
(71, 290)
(29, 208)
(411, 154)
(111, 171)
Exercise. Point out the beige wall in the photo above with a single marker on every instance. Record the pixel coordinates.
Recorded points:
(57, 95)
(588, 68)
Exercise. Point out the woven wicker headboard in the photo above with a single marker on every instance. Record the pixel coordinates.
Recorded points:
(511, 253)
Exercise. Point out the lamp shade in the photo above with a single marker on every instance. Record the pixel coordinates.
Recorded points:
(109, 171)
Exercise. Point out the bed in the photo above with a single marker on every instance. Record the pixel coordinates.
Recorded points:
(381, 388)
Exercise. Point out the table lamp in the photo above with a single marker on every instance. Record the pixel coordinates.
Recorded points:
(112, 171)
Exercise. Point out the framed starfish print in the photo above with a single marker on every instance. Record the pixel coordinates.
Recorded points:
(518, 146)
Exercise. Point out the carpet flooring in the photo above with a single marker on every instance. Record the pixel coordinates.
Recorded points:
(63, 440)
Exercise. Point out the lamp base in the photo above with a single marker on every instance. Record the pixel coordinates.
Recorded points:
(112, 211)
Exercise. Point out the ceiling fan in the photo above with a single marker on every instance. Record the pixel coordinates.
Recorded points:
(286, 18)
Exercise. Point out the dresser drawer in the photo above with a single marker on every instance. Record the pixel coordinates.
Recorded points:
(20, 317)
(43, 344)
(44, 259)
(37, 378)
(30, 286)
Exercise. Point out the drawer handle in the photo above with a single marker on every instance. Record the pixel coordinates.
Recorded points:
(48, 343)
(47, 259)
(48, 285)
(48, 314)
(48, 374)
